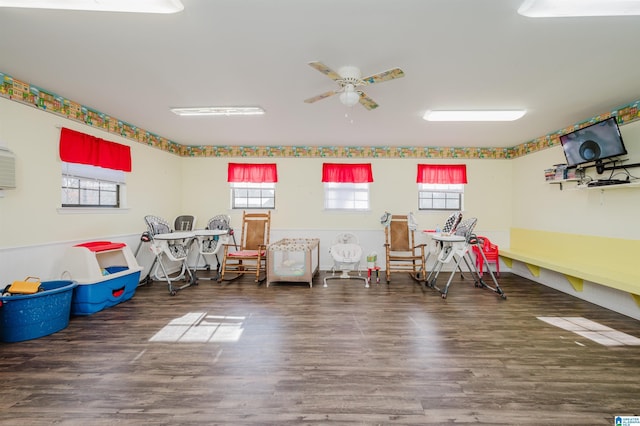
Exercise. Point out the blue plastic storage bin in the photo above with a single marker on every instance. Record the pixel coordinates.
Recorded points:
(93, 297)
(29, 316)
(107, 273)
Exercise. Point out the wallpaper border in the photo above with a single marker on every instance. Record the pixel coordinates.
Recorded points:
(45, 100)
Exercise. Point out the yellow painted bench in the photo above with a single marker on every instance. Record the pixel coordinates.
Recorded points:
(612, 262)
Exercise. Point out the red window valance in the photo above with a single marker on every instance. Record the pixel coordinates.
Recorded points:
(76, 147)
(347, 173)
(256, 173)
(442, 173)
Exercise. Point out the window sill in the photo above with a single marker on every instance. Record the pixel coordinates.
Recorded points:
(347, 210)
(92, 210)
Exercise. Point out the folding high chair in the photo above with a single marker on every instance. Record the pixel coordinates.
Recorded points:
(169, 246)
(211, 240)
(455, 250)
(449, 227)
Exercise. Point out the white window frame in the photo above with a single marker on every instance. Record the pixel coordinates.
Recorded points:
(84, 177)
(252, 195)
(347, 196)
(440, 197)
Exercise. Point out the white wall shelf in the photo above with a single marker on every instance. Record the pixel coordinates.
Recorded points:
(561, 182)
(635, 184)
(581, 186)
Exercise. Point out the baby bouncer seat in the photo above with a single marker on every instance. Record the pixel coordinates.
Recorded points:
(346, 254)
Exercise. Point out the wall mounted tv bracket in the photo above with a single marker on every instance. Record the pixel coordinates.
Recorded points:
(601, 167)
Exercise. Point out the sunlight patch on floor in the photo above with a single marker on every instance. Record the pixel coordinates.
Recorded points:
(592, 330)
(200, 327)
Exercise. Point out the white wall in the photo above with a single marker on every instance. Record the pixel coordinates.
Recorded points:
(299, 198)
(542, 206)
(32, 227)
(30, 213)
(33, 230)
(299, 192)
(611, 213)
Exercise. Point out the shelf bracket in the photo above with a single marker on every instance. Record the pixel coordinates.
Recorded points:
(576, 283)
(534, 269)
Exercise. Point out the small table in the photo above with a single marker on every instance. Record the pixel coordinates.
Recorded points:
(375, 269)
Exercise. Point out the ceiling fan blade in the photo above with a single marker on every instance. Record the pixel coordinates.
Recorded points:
(319, 97)
(367, 102)
(384, 76)
(325, 70)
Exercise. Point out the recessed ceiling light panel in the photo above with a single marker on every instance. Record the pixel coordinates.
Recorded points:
(136, 6)
(474, 115)
(224, 111)
(568, 8)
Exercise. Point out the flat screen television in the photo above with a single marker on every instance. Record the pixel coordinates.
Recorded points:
(594, 143)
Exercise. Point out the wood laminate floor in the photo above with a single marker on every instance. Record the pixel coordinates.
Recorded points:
(241, 354)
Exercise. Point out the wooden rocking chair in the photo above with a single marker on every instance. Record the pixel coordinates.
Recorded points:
(250, 257)
(402, 254)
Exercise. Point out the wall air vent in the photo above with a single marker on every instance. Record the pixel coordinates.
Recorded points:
(7, 169)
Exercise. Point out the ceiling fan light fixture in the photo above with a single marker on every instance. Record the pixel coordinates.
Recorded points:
(138, 6)
(574, 8)
(217, 111)
(349, 97)
(473, 115)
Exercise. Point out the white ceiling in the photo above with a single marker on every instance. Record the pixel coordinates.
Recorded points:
(456, 54)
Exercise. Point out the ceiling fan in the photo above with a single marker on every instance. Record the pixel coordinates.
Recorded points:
(349, 79)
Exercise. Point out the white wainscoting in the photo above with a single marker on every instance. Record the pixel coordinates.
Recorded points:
(41, 261)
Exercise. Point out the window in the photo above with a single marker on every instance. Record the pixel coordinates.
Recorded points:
(433, 196)
(441, 186)
(90, 186)
(249, 195)
(346, 186)
(253, 186)
(346, 196)
(92, 170)
(78, 192)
